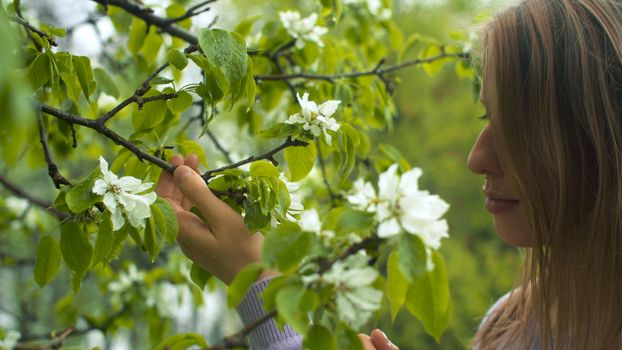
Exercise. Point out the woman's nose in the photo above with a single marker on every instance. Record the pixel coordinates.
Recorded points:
(483, 157)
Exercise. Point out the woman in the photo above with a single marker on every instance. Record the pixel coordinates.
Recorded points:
(551, 156)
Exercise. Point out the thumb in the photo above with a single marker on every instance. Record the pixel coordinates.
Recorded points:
(195, 189)
(381, 342)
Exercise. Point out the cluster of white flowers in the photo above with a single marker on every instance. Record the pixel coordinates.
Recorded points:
(316, 119)
(356, 300)
(122, 196)
(375, 7)
(295, 201)
(10, 340)
(126, 280)
(401, 206)
(302, 29)
(310, 222)
(25, 217)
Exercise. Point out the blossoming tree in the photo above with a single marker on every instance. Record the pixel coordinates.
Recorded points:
(303, 90)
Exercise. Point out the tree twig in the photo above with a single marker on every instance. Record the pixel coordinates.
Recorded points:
(101, 128)
(16, 190)
(375, 71)
(55, 343)
(33, 29)
(268, 156)
(218, 145)
(192, 11)
(147, 15)
(333, 197)
(53, 171)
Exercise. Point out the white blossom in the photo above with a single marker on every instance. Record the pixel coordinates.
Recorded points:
(16, 205)
(10, 340)
(310, 222)
(122, 196)
(351, 279)
(302, 29)
(126, 279)
(295, 201)
(316, 119)
(401, 206)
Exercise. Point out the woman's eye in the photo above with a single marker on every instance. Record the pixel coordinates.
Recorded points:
(484, 117)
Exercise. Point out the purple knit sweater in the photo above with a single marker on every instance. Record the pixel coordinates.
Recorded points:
(267, 336)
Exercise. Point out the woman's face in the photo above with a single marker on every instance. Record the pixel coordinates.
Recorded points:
(508, 216)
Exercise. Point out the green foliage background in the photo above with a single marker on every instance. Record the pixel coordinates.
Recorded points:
(436, 127)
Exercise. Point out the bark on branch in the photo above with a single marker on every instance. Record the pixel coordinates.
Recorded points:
(147, 15)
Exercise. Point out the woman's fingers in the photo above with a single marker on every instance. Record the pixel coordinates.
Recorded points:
(381, 341)
(216, 212)
(166, 184)
(366, 340)
(191, 161)
(193, 232)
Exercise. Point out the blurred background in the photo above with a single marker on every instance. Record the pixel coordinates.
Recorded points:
(437, 124)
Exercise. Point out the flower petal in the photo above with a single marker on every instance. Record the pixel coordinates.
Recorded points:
(110, 201)
(100, 187)
(128, 183)
(388, 228)
(117, 219)
(388, 184)
(328, 108)
(408, 181)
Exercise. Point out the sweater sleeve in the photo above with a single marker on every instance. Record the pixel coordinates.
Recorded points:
(267, 336)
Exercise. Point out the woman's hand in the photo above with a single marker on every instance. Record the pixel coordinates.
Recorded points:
(221, 244)
(377, 341)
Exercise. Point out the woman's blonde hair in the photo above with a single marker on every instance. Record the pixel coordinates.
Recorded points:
(553, 88)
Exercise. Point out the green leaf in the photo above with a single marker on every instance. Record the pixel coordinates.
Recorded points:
(177, 59)
(300, 161)
(254, 218)
(397, 285)
(172, 228)
(48, 260)
(293, 303)
(226, 50)
(105, 239)
(428, 298)
(412, 261)
(285, 246)
(188, 147)
(347, 339)
(349, 141)
(182, 341)
(151, 115)
(432, 68)
(39, 71)
(199, 275)
(155, 232)
(180, 103)
(318, 338)
(245, 27)
(151, 45)
(81, 196)
(160, 81)
(105, 82)
(241, 283)
(76, 248)
(264, 168)
(82, 65)
(138, 32)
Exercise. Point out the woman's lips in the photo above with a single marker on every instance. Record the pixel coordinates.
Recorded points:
(497, 205)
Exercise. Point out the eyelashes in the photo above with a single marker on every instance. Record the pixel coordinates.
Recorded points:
(484, 117)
